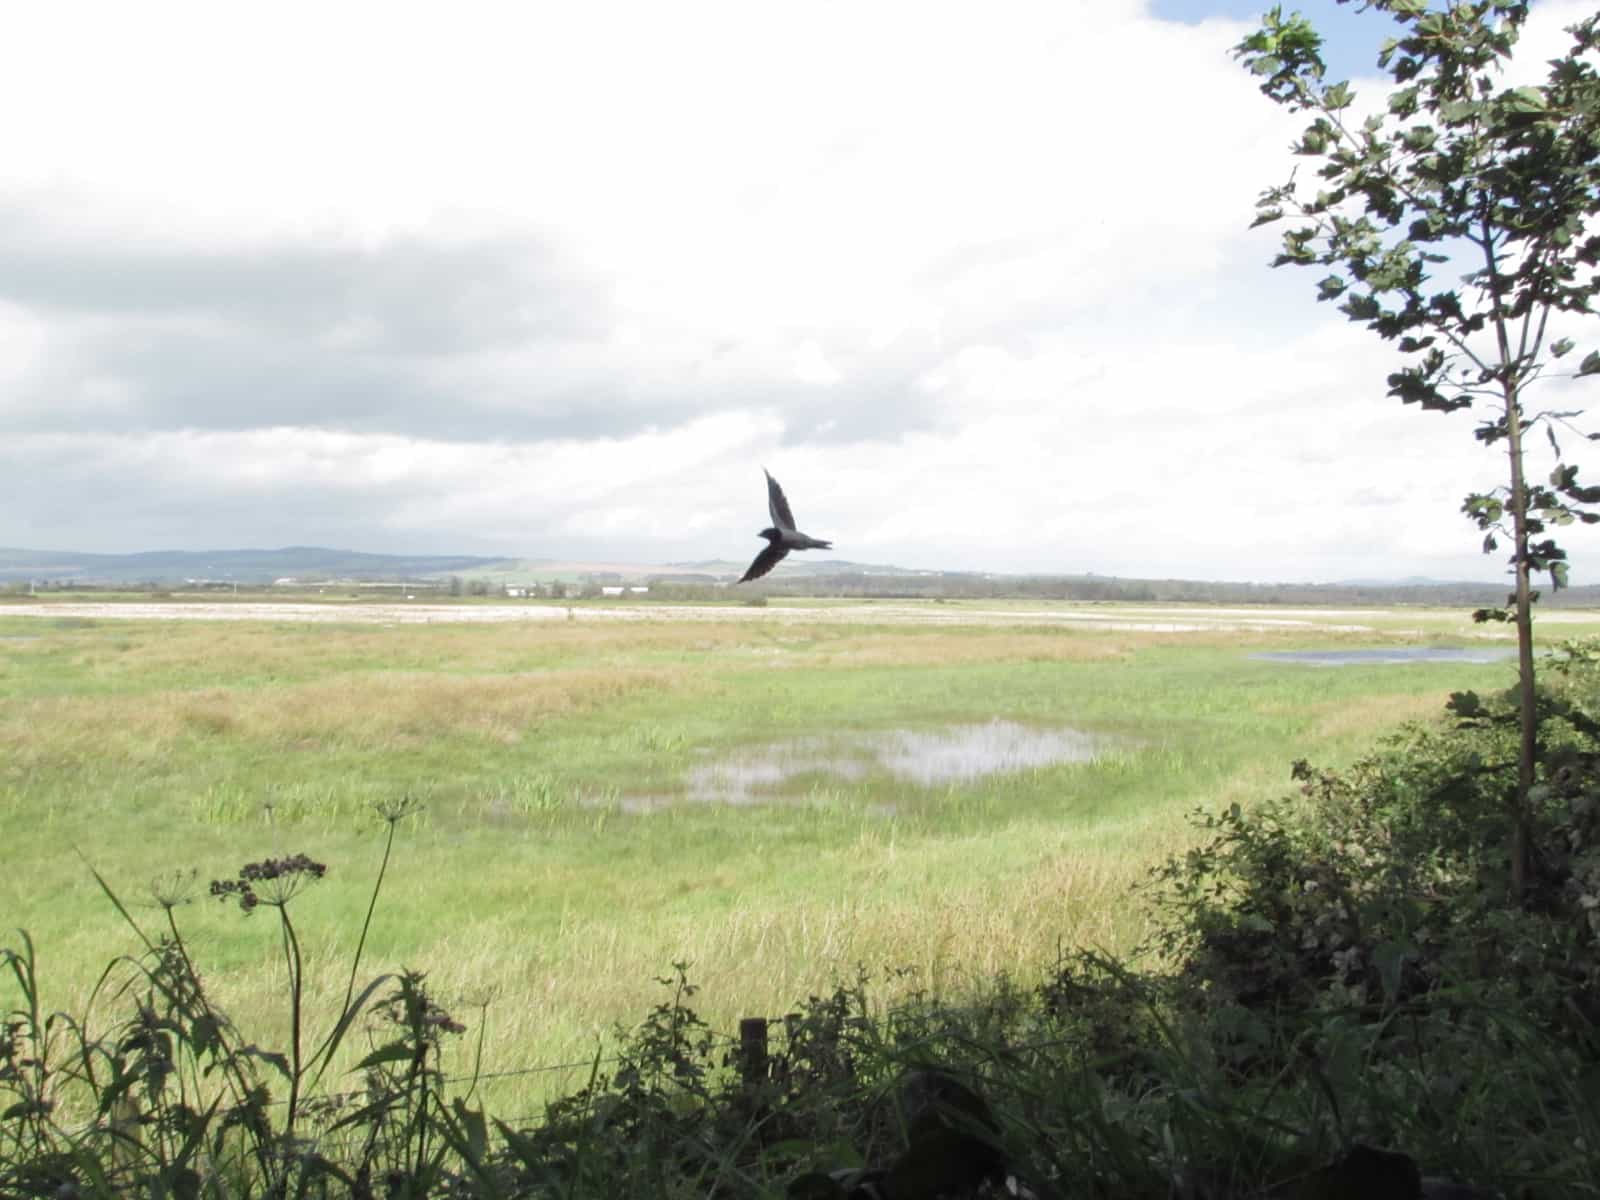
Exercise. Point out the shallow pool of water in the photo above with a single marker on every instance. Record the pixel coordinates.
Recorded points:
(1387, 656)
(927, 758)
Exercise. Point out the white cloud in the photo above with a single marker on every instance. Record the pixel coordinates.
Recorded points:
(976, 283)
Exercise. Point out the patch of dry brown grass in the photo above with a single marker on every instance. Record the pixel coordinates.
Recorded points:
(1373, 716)
(389, 709)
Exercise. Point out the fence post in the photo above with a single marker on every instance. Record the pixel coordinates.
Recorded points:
(753, 1052)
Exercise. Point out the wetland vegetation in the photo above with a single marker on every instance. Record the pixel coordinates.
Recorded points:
(927, 837)
(563, 854)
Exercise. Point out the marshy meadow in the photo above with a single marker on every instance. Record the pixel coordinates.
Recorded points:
(917, 795)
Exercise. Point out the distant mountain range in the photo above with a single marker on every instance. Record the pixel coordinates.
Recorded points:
(312, 564)
(241, 566)
(319, 563)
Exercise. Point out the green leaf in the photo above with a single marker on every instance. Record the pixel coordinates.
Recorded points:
(1390, 959)
(393, 1052)
(475, 1128)
(273, 1058)
(1590, 364)
(1361, 307)
(1404, 102)
(1524, 100)
(1330, 288)
(1418, 138)
(1558, 348)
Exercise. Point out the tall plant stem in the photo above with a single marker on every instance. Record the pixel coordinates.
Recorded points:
(291, 951)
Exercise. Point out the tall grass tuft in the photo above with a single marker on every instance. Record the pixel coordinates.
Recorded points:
(172, 1098)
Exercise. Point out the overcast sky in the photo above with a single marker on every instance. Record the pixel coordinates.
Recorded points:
(975, 281)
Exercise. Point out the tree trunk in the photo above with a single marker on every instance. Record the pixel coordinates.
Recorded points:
(1527, 699)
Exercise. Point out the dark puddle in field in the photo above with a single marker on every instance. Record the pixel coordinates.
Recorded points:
(926, 758)
(1388, 656)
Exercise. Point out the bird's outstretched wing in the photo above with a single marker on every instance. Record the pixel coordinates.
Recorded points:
(765, 561)
(777, 505)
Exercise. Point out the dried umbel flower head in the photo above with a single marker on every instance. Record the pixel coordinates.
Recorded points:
(173, 888)
(272, 881)
(396, 809)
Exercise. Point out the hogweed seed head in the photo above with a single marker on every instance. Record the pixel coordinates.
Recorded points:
(173, 888)
(272, 881)
(397, 808)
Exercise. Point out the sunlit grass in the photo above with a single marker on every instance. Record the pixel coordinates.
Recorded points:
(530, 883)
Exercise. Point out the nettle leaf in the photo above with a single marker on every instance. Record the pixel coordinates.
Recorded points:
(1390, 959)
(396, 1051)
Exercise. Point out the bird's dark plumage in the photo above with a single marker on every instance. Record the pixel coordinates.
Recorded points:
(778, 503)
(765, 561)
(782, 537)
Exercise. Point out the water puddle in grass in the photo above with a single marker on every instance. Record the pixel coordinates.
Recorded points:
(1388, 656)
(932, 758)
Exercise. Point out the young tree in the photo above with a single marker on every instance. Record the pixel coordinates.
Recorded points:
(1496, 185)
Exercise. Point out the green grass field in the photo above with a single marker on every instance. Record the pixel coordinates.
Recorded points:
(561, 862)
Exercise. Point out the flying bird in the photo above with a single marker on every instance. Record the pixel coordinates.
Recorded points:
(783, 536)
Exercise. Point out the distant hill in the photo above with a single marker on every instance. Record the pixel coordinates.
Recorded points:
(241, 566)
(317, 562)
(798, 575)
(791, 567)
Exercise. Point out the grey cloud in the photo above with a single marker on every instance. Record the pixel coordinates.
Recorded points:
(496, 340)
(422, 298)
(146, 338)
(81, 493)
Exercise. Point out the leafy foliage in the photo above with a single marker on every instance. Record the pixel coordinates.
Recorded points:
(1458, 172)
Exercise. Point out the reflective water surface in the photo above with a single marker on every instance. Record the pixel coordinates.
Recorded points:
(1388, 655)
(928, 758)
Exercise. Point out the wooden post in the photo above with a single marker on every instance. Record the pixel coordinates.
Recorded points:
(753, 1052)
